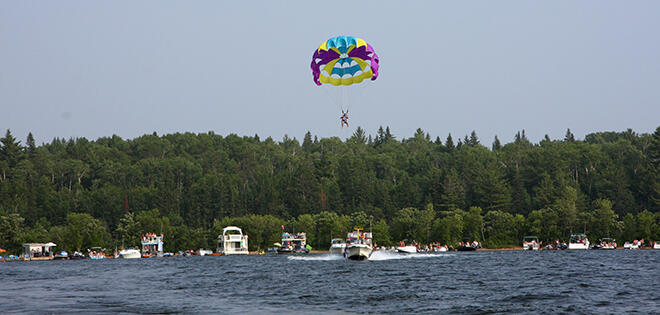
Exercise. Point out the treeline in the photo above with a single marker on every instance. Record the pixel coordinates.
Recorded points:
(81, 193)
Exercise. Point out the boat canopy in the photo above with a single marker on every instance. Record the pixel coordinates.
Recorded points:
(232, 228)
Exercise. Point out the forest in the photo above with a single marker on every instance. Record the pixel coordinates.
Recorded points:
(80, 193)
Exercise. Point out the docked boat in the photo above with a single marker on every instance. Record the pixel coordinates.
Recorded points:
(629, 245)
(656, 245)
(130, 253)
(96, 253)
(62, 255)
(232, 241)
(152, 245)
(407, 249)
(467, 246)
(578, 241)
(605, 243)
(38, 251)
(358, 245)
(293, 243)
(531, 243)
(337, 246)
(77, 256)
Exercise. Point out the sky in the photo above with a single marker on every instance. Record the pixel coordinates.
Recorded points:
(92, 69)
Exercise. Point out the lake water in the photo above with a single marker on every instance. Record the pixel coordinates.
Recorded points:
(598, 282)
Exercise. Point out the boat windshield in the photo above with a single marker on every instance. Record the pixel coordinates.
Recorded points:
(578, 238)
(338, 241)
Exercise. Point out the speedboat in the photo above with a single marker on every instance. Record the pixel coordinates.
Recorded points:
(293, 243)
(407, 249)
(130, 253)
(96, 253)
(531, 243)
(63, 255)
(578, 241)
(358, 245)
(337, 246)
(629, 245)
(656, 245)
(467, 246)
(605, 243)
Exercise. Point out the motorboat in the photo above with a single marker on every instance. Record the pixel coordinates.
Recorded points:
(62, 255)
(605, 243)
(629, 245)
(96, 253)
(358, 245)
(130, 253)
(204, 252)
(531, 243)
(407, 249)
(293, 243)
(232, 241)
(467, 246)
(152, 245)
(337, 246)
(656, 245)
(578, 241)
(77, 256)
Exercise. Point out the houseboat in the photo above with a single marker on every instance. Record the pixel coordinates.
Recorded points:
(578, 241)
(232, 241)
(359, 245)
(38, 251)
(152, 245)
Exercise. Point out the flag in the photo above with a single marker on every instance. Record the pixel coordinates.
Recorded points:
(282, 227)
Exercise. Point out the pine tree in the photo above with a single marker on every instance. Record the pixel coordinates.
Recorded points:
(496, 144)
(31, 147)
(449, 143)
(474, 140)
(569, 136)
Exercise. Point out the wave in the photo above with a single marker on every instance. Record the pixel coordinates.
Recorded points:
(325, 257)
(376, 256)
(387, 255)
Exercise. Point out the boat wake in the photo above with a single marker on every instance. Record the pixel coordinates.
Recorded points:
(387, 255)
(317, 257)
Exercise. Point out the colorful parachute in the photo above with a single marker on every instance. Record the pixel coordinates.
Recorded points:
(344, 60)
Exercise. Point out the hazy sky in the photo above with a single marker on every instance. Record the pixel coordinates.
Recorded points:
(96, 68)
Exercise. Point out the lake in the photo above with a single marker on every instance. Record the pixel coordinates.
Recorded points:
(456, 282)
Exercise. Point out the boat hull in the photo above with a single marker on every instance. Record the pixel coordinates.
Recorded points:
(358, 252)
(580, 246)
(130, 254)
(337, 250)
(407, 249)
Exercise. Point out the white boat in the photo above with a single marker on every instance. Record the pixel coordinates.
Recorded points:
(232, 241)
(130, 253)
(152, 245)
(408, 249)
(531, 243)
(656, 245)
(204, 252)
(578, 241)
(337, 246)
(441, 248)
(358, 245)
(629, 245)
